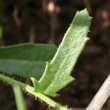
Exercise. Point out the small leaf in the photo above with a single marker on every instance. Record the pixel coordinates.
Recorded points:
(57, 72)
(26, 60)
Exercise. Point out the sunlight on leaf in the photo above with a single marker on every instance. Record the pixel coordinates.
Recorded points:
(57, 72)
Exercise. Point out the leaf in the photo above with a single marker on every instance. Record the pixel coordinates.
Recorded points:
(57, 72)
(26, 60)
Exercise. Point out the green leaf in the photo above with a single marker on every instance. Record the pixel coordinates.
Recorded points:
(57, 72)
(26, 60)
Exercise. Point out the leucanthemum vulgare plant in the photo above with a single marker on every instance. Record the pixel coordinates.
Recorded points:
(30, 60)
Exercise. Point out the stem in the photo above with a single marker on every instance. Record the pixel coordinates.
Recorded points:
(101, 96)
(19, 98)
(88, 5)
(31, 90)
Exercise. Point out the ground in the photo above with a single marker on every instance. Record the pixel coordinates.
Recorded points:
(33, 21)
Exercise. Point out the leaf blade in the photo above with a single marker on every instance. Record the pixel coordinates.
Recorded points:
(57, 72)
(26, 60)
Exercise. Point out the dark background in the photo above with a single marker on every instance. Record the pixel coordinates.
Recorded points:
(31, 21)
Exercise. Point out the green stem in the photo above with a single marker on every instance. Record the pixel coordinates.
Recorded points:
(31, 90)
(20, 103)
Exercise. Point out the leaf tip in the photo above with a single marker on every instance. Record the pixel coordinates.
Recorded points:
(35, 83)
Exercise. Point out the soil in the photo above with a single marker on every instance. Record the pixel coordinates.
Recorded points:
(33, 21)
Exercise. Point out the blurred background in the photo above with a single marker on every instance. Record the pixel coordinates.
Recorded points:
(46, 21)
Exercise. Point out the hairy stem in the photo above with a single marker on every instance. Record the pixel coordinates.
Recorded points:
(30, 90)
